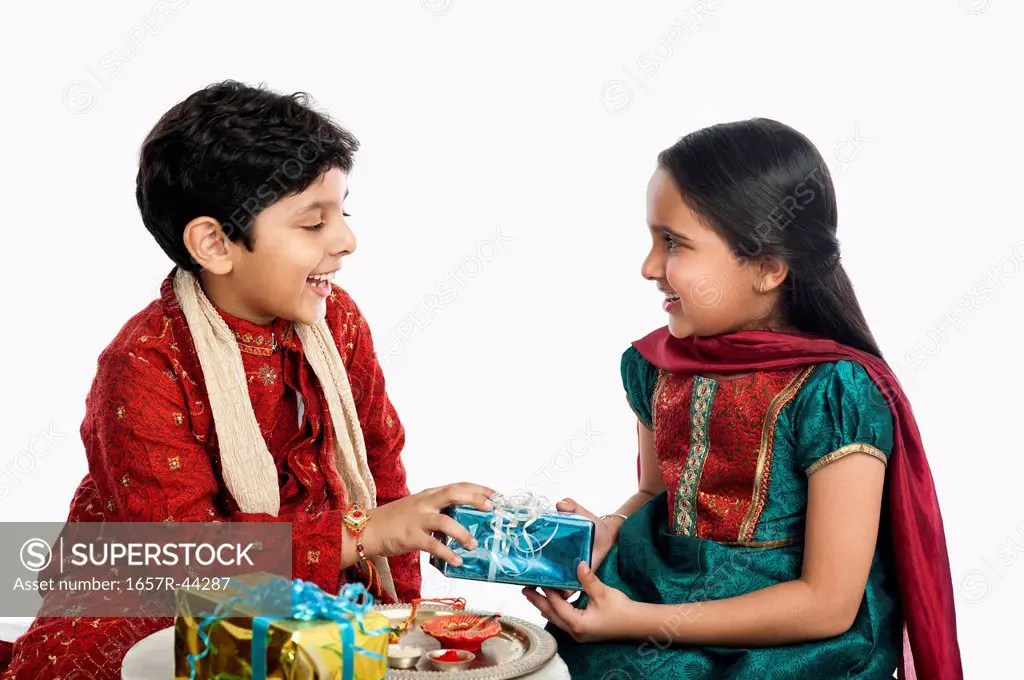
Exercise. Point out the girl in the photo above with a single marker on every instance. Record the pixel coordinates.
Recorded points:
(786, 524)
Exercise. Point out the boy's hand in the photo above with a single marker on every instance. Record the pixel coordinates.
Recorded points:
(607, 616)
(409, 523)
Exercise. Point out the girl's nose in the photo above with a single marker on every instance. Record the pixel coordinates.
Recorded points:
(653, 268)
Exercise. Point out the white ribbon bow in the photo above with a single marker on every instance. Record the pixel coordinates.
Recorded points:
(510, 524)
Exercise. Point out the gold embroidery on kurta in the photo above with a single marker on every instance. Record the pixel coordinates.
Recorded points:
(126, 480)
(120, 412)
(173, 463)
(178, 418)
(182, 371)
(163, 332)
(780, 543)
(764, 456)
(313, 557)
(700, 446)
(389, 420)
(266, 375)
(658, 384)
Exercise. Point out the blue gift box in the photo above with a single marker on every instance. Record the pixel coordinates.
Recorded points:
(513, 549)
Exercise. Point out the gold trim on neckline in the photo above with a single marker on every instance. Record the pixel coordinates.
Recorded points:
(764, 455)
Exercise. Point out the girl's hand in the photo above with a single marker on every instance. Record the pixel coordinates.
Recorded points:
(606, 617)
(409, 523)
(606, 532)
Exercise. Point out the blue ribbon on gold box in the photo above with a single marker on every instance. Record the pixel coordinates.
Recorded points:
(522, 541)
(267, 626)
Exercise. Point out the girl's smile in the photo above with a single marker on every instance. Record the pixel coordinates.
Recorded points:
(671, 303)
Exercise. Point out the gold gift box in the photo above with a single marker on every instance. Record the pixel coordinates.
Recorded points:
(295, 650)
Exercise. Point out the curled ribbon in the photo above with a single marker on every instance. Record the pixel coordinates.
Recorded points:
(511, 520)
(308, 603)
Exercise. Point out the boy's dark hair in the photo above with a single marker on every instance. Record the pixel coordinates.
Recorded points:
(229, 151)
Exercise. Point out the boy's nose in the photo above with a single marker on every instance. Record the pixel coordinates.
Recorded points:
(344, 243)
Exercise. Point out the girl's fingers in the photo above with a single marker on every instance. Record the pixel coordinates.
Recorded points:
(544, 606)
(569, 505)
(560, 607)
(450, 527)
(592, 585)
(566, 505)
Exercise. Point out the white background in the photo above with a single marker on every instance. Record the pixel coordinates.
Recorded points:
(543, 120)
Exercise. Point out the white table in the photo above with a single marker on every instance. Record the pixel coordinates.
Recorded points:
(153, 659)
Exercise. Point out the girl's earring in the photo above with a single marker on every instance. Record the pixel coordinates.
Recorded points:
(760, 287)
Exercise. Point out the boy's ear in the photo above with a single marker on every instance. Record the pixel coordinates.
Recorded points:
(208, 245)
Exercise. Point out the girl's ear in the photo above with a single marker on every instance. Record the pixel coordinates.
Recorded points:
(208, 245)
(772, 271)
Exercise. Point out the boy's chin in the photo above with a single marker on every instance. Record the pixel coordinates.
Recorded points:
(310, 314)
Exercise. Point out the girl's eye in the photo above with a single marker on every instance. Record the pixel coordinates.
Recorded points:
(316, 227)
(671, 243)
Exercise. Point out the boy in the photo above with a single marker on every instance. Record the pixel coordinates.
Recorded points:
(244, 190)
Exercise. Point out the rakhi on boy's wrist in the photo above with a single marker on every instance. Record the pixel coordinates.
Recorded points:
(355, 519)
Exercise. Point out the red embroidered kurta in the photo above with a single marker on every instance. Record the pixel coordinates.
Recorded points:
(152, 452)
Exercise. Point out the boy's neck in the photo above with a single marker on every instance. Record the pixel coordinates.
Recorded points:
(224, 299)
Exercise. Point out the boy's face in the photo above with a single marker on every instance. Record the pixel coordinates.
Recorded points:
(299, 244)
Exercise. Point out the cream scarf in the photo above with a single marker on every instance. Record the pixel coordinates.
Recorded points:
(246, 463)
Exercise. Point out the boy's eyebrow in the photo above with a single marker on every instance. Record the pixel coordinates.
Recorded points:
(313, 205)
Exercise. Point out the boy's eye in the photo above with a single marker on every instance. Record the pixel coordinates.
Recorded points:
(345, 214)
(316, 227)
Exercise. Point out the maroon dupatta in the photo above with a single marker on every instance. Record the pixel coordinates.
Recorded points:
(930, 649)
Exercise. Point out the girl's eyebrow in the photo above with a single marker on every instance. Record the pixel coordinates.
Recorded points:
(667, 230)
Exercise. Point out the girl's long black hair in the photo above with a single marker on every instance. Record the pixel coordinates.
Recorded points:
(766, 189)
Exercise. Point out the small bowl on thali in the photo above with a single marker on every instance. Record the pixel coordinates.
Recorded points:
(404, 656)
(466, 632)
(450, 659)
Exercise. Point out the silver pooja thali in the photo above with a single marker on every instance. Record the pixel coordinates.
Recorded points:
(519, 649)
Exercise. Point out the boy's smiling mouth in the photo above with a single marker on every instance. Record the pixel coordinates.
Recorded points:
(321, 283)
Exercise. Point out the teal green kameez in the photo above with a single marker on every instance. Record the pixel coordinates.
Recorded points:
(736, 456)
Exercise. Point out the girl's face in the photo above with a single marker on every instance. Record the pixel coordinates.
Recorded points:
(708, 290)
(299, 244)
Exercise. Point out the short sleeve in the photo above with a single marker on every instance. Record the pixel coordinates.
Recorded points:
(639, 378)
(838, 412)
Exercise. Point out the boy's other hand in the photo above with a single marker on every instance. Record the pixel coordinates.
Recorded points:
(409, 523)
